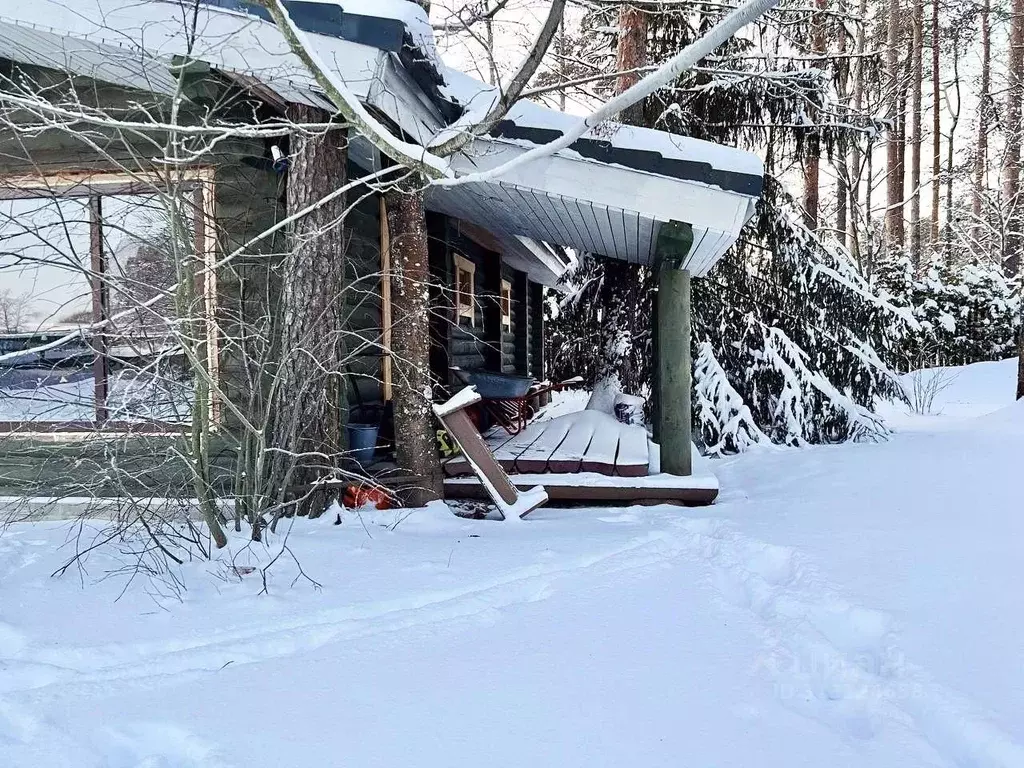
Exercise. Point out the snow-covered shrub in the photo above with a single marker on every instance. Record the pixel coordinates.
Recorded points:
(791, 344)
(967, 313)
(724, 421)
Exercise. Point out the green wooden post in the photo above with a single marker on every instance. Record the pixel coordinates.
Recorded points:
(675, 378)
(673, 373)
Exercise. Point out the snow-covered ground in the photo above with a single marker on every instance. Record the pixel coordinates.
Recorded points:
(843, 606)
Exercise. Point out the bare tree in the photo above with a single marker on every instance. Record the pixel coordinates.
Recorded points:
(916, 86)
(896, 115)
(1012, 131)
(984, 118)
(15, 311)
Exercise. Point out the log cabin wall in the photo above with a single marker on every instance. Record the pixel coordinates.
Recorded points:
(249, 197)
(484, 340)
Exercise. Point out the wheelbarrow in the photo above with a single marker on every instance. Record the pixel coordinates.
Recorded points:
(507, 397)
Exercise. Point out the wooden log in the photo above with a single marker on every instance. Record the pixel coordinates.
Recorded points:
(674, 372)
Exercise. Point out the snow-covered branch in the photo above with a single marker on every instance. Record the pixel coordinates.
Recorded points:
(663, 76)
(469, 127)
(402, 152)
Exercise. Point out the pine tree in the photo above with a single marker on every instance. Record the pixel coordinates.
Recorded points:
(789, 339)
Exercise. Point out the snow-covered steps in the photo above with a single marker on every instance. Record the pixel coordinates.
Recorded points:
(585, 456)
(692, 491)
(586, 441)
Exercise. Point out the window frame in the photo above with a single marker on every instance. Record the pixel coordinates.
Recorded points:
(465, 308)
(505, 300)
(94, 186)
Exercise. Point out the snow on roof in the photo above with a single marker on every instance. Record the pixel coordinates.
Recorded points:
(527, 118)
(415, 19)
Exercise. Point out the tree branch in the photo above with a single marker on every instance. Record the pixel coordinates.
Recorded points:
(512, 93)
(667, 73)
(402, 152)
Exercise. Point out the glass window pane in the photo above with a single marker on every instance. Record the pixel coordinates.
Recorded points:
(45, 292)
(144, 242)
(44, 265)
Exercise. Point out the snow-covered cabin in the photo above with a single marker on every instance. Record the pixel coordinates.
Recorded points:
(75, 174)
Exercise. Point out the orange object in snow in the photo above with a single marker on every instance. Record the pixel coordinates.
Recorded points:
(361, 495)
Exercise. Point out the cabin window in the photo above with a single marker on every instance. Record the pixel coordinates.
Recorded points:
(104, 282)
(506, 305)
(465, 293)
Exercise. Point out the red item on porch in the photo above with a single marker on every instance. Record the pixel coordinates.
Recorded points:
(361, 495)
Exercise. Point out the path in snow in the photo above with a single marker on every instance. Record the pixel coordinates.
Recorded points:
(841, 606)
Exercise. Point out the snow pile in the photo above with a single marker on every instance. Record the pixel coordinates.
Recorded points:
(478, 98)
(409, 13)
(970, 390)
(849, 606)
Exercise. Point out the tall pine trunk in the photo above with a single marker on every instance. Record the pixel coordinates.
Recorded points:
(984, 111)
(916, 85)
(1011, 163)
(309, 388)
(631, 55)
(857, 156)
(894, 171)
(812, 151)
(415, 433)
(621, 323)
(842, 164)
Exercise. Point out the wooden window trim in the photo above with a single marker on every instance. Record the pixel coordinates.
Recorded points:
(385, 296)
(464, 308)
(94, 186)
(506, 305)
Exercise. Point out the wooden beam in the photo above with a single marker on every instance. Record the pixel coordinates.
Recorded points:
(674, 372)
(100, 305)
(625, 491)
(385, 298)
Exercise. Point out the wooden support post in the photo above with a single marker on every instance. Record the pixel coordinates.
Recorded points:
(674, 372)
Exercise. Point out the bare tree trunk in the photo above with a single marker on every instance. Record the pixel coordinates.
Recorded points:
(1011, 164)
(936, 130)
(562, 49)
(631, 54)
(954, 120)
(309, 390)
(812, 151)
(842, 166)
(899, 182)
(416, 435)
(916, 86)
(867, 265)
(492, 68)
(984, 111)
(857, 156)
(894, 172)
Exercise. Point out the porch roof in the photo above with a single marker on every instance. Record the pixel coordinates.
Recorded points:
(610, 193)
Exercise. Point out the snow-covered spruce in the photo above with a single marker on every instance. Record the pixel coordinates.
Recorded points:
(797, 336)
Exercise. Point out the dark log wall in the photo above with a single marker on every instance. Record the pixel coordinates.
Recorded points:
(465, 340)
(363, 309)
(250, 197)
(536, 332)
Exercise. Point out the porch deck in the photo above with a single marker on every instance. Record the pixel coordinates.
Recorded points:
(585, 456)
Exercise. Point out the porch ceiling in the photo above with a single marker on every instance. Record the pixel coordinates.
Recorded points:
(594, 207)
